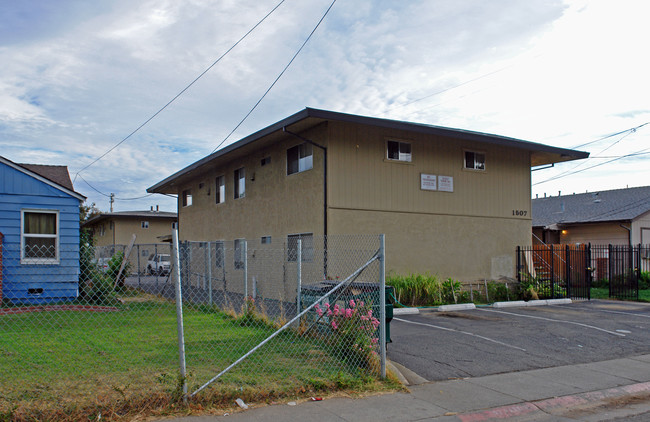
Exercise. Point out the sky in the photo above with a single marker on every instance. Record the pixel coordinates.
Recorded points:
(78, 77)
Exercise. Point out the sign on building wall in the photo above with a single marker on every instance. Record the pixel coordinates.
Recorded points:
(445, 183)
(428, 181)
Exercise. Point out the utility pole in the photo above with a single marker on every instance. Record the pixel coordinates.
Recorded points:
(112, 200)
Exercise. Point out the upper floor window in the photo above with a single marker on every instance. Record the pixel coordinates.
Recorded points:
(266, 240)
(265, 161)
(39, 237)
(474, 160)
(399, 151)
(102, 230)
(144, 224)
(300, 158)
(187, 198)
(240, 183)
(220, 196)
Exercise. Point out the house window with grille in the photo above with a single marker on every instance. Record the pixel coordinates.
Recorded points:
(144, 224)
(398, 151)
(475, 160)
(39, 237)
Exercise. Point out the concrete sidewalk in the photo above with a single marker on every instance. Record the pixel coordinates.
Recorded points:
(596, 391)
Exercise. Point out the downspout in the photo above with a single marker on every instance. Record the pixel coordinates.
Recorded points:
(284, 129)
(629, 234)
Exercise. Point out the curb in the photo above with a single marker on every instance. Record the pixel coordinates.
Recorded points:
(557, 406)
(458, 307)
(406, 311)
(521, 303)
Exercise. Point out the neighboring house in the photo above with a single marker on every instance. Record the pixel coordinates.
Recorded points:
(617, 217)
(450, 202)
(39, 222)
(118, 228)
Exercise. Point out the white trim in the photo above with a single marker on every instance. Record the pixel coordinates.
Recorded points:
(57, 236)
(42, 179)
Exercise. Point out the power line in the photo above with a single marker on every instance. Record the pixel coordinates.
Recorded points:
(109, 195)
(182, 91)
(278, 77)
(573, 170)
(588, 168)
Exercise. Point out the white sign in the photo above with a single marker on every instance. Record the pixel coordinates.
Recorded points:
(445, 183)
(428, 181)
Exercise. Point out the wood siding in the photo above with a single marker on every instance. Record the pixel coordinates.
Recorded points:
(19, 191)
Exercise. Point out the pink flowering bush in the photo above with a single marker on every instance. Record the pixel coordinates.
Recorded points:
(354, 331)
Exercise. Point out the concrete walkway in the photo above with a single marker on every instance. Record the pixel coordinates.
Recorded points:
(599, 391)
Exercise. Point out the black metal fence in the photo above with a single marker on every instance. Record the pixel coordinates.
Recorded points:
(556, 271)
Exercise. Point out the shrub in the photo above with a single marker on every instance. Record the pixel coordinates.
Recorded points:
(415, 289)
(354, 332)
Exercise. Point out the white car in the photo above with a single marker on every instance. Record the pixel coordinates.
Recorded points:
(158, 264)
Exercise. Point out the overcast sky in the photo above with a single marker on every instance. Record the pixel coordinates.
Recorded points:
(78, 76)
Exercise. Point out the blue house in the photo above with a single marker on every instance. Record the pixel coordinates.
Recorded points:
(39, 233)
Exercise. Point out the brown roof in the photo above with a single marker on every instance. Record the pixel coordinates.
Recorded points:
(56, 174)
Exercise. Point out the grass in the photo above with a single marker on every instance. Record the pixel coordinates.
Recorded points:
(71, 365)
(603, 293)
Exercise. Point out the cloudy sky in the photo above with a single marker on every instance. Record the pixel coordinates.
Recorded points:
(77, 77)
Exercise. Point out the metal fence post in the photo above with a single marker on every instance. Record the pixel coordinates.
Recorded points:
(382, 304)
(245, 254)
(209, 248)
(179, 312)
(299, 272)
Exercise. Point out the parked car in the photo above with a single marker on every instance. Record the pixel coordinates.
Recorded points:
(158, 264)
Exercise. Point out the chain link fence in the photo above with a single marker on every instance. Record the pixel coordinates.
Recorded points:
(105, 331)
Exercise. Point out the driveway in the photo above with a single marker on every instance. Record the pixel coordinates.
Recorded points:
(485, 341)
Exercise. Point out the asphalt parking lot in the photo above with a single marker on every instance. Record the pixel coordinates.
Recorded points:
(484, 341)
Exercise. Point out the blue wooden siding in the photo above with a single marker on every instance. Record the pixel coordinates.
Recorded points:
(51, 282)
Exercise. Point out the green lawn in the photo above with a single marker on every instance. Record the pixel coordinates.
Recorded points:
(603, 293)
(79, 359)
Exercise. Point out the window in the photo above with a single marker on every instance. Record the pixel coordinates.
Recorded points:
(307, 247)
(187, 197)
(474, 160)
(144, 224)
(175, 225)
(219, 254)
(102, 230)
(300, 158)
(266, 240)
(220, 197)
(39, 237)
(240, 183)
(399, 151)
(240, 253)
(266, 161)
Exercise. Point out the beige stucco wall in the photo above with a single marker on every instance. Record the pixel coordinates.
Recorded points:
(461, 247)
(275, 204)
(468, 234)
(124, 228)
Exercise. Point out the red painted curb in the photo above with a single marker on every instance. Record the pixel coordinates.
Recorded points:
(554, 404)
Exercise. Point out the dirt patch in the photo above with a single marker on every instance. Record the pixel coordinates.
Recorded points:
(611, 403)
(50, 308)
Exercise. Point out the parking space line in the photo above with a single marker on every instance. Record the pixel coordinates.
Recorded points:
(622, 313)
(461, 332)
(553, 320)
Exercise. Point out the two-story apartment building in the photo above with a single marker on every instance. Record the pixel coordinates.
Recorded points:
(451, 202)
